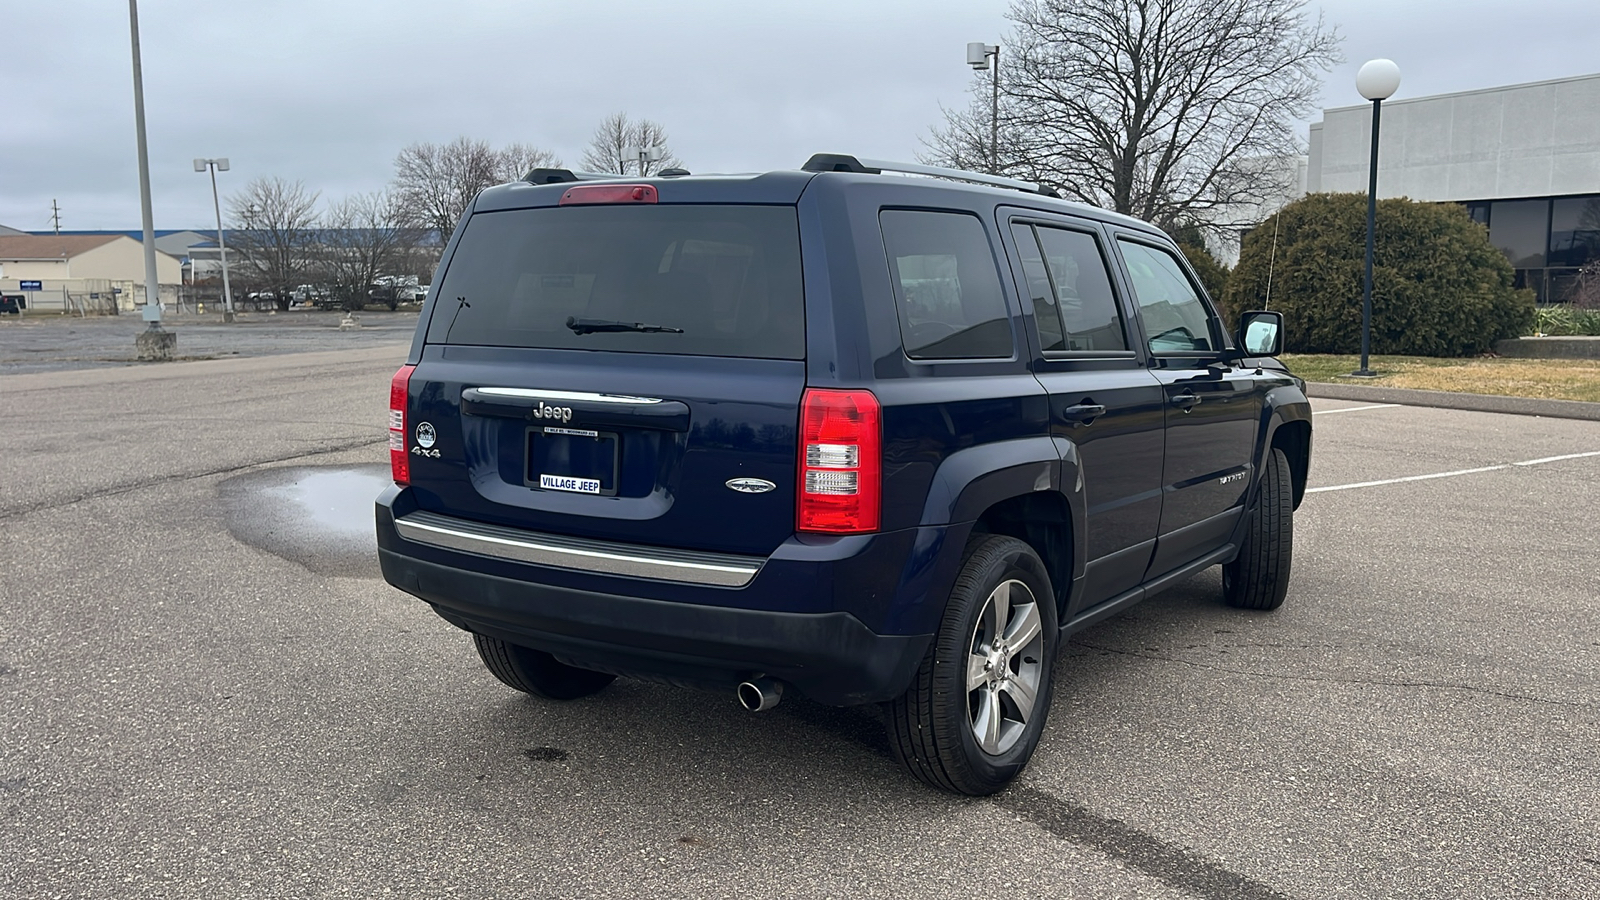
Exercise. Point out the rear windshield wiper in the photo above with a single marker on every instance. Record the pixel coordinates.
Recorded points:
(590, 326)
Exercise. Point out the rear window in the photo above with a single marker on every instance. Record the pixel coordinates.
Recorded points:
(727, 276)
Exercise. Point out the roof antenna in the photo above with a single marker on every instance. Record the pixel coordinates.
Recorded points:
(1272, 258)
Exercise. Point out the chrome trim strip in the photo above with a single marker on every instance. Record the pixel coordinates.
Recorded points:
(722, 570)
(535, 394)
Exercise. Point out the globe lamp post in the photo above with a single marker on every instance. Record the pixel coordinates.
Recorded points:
(1377, 81)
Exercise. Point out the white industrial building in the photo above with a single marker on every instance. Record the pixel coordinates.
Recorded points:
(82, 271)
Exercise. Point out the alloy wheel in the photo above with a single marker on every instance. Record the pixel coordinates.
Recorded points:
(1004, 667)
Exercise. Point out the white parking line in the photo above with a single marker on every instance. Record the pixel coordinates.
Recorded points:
(1535, 462)
(1325, 412)
(1530, 462)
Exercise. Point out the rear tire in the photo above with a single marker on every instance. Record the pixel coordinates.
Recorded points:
(537, 672)
(973, 715)
(1258, 578)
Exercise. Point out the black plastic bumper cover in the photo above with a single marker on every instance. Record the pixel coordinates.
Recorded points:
(830, 657)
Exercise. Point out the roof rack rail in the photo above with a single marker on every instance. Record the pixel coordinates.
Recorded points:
(840, 162)
(836, 162)
(561, 176)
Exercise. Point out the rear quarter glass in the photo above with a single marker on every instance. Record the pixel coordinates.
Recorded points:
(728, 276)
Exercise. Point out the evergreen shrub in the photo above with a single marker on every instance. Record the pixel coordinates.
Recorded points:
(1439, 288)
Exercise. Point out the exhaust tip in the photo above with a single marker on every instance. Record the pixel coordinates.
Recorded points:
(760, 694)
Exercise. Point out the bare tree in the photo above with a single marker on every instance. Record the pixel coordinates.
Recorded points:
(616, 134)
(434, 183)
(364, 237)
(275, 234)
(1162, 109)
(517, 160)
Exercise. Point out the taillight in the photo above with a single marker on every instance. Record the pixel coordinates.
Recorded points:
(841, 462)
(609, 193)
(399, 389)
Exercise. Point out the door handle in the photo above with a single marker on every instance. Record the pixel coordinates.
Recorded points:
(1083, 413)
(1186, 401)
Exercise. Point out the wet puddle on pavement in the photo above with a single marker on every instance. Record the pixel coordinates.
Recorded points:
(319, 517)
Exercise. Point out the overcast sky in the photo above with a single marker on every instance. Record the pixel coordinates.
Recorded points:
(327, 91)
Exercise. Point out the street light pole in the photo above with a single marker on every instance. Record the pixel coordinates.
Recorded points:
(154, 343)
(1377, 81)
(978, 56)
(994, 115)
(216, 165)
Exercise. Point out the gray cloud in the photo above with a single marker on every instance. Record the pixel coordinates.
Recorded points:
(328, 91)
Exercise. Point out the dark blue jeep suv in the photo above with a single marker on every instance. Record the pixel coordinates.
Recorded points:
(867, 437)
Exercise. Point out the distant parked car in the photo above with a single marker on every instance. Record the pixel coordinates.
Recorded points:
(309, 295)
(258, 299)
(394, 290)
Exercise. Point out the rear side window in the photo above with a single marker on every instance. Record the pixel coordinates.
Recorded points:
(727, 276)
(1071, 288)
(1174, 316)
(947, 289)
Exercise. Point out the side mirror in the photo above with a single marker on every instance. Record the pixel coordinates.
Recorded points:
(1261, 333)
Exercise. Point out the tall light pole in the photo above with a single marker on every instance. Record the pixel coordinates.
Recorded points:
(1377, 81)
(214, 166)
(978, 54)
(154, 343)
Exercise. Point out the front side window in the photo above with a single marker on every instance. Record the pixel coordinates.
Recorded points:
(947, 289)
(1174, 316)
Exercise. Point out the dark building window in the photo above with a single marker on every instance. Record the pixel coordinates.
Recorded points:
(1574, 231)
(1563, 286)
(1547, 240)
(1532, 279)
(1520, 229)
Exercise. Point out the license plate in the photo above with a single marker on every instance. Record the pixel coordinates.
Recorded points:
(572, 459)
(568, 483)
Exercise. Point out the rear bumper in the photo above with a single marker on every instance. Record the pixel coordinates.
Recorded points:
(607, 623)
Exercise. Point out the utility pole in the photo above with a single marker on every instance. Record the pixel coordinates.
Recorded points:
(55, 215)
(153, 343)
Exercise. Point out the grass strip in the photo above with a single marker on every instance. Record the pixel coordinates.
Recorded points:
(1549, 379)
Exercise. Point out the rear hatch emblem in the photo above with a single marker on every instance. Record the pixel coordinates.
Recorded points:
(750, 485)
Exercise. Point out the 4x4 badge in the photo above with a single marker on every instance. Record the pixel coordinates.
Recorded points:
(750, 485)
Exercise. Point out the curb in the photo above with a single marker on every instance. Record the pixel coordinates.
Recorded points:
(1516, 406)
(1575, 347)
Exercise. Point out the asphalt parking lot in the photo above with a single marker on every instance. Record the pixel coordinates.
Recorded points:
(50, 343)
(207, 691)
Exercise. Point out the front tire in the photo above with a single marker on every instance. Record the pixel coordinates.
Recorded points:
(973, 715)
(537, 672)
(1258, 578)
